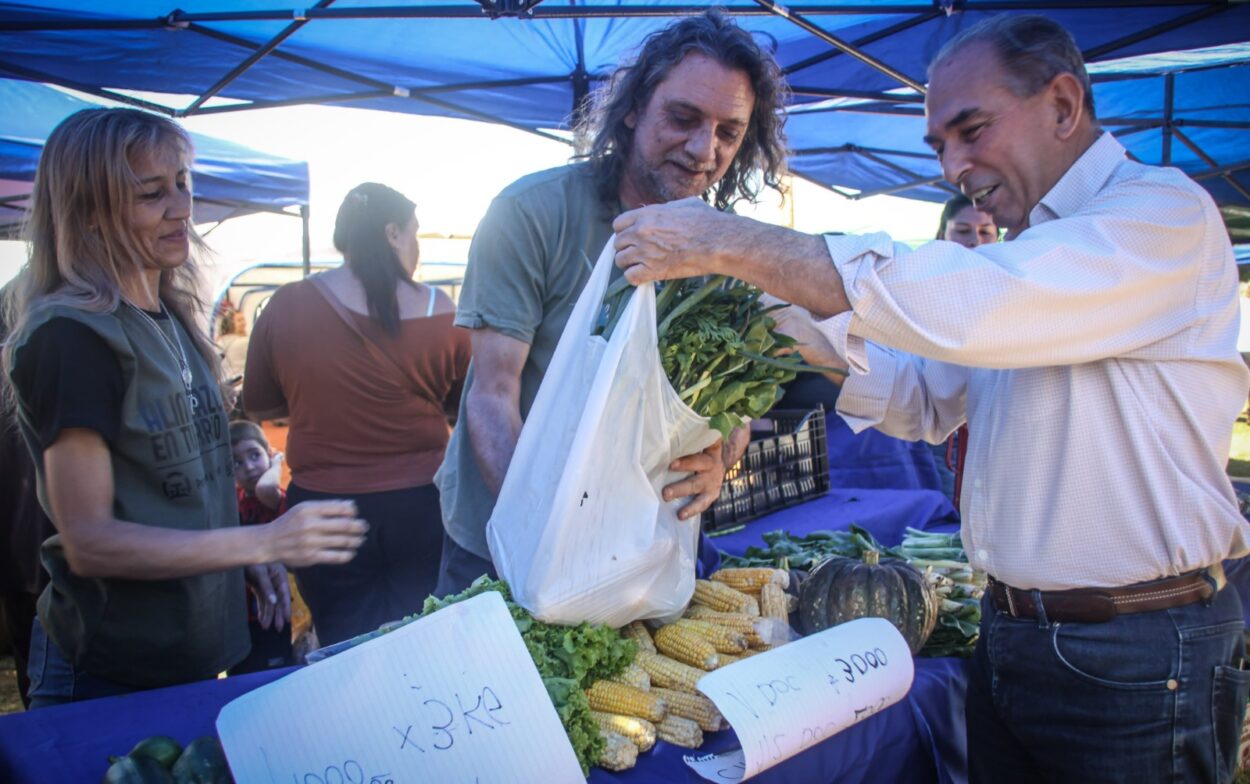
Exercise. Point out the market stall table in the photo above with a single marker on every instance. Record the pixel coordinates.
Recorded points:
(72, 743)
(918, 740)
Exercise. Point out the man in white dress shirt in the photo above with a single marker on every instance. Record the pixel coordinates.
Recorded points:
(1094, 358)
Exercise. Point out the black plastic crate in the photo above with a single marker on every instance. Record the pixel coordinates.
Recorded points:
(786, 463)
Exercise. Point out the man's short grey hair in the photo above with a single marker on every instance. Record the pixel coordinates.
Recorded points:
(1032, 49)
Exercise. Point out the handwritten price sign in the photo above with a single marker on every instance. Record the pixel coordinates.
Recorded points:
(788, 699)
(450, 698)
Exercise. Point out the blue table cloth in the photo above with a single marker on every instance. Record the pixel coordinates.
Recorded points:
(921, 739)
(71, 743)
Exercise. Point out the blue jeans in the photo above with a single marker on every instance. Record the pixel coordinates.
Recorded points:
(1146, 697)
(54, 681)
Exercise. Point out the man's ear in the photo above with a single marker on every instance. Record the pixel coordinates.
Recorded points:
(631, 120)
(1067, 98)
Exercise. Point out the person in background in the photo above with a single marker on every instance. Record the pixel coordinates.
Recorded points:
(116, 392)
(368, 366)
(1093, 355)
(257, 479)
(695, 115)
(232, 340)
(961, 222)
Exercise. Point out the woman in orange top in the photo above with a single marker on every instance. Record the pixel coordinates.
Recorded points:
(367, 366)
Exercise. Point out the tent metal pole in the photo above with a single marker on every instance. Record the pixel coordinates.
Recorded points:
(906, 186)
(906, 24)
(857, 148)
(1226, 173)
(1169, 92)
(474, 11)
(838, 43)
(306, 244)
(1210, 9)
(1183, 122)
(100, 92)
(251, 60)
(313, 100)
(836, 92)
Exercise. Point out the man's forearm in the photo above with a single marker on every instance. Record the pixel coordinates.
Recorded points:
(788, 264)
(494, 427)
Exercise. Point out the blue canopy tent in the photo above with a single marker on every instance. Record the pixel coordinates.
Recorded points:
(521, 62)
(229, 179)
(1189, 109)
(528, 64)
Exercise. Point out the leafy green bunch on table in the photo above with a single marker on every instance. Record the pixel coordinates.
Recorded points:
(718, 345)
(569, 659)
(940, 557)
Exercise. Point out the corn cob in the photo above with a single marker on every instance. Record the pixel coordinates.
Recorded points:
(637, 632)
(612, 697)
(669, 674)
(743, 624)
(750, 580)
(686, 646)
(727, 659)
(695, 707)
(635, 676)
(723, 639)
(721, 597)
(640, 732)
(619, 753)
(773, 603)
(680, 732)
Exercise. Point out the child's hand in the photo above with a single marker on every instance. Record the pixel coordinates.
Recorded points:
(273, 594)
(269, 486)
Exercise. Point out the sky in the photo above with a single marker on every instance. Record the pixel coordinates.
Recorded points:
(451, 169)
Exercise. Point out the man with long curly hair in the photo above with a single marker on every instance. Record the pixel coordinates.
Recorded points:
(696, 114)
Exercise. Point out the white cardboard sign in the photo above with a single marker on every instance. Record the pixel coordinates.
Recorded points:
(450, 698)
(786, 700)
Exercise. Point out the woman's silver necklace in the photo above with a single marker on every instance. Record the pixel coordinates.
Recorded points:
(174, 345)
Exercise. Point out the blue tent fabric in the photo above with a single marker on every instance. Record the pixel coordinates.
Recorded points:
(229, 179)
(859, 146)
(526, 62)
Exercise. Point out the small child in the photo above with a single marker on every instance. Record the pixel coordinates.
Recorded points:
(257, 473)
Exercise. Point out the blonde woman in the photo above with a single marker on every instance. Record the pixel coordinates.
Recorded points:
(116, 391)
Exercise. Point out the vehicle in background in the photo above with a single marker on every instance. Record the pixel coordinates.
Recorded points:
(250, 289)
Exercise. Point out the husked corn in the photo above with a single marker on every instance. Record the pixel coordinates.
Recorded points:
(669, 673)
(686, 646)
(680, 732)
(695, 707)
(639, 731)
(612, 697)
(727, 659)
(723, 639)
(637, 631)
(721, 597)
(635, 676)
(743, 624)
(752, 579)
(619, 753)
(773, 602)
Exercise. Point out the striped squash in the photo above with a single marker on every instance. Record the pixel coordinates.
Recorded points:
(843, 589)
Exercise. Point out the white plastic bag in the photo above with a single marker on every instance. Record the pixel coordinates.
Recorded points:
(580, 531)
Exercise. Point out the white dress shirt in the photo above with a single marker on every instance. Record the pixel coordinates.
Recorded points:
(1097, 370)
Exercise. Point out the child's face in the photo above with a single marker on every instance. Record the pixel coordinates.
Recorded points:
(251, 460)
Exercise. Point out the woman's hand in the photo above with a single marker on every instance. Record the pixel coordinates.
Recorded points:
(315, 532)
(273, 594)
